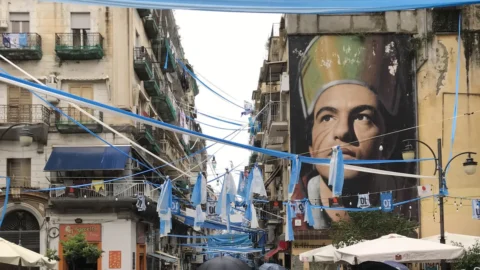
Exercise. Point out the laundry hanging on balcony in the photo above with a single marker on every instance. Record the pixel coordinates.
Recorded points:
(141, 206)
(247, 107)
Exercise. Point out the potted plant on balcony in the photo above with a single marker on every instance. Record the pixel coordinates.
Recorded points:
(79, 254)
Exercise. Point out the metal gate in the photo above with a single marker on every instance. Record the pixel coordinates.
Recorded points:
(21, 227)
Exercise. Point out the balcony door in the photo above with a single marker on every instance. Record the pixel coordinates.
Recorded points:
(80, 25)
(19, 103)
(84, 91)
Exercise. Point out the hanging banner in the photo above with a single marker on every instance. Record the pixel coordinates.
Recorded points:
(332, 77)
(363, 201)
(175, 207)
(211, 205)
(476, 209)
(386, 201)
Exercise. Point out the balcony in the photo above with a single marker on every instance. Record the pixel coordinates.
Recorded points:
(100, 194)
(276, 123)
(21, 46)
(79, 46)
(144, 12)
(151, 23)
(36, 116)
(65, 125)
(142, 63)
(164, 105)
(167, 59)
(153, 86)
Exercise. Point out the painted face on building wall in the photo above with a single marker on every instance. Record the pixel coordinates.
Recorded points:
(347, 115)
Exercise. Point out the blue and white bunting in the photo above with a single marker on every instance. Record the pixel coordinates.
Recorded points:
(257, 185)
(294, 175)
(199, 197)
(308, 218)
(227, 196)
(476, 209)
(289, 236)
(336, 174)
(164, 208)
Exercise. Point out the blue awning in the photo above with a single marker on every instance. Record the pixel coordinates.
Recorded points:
(92, 158)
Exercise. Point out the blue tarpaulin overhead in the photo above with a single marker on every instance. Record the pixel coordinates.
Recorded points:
(278, 6)
(91, 158)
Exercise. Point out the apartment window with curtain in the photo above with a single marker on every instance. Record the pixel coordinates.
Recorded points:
(19, 22)
(19, 171)
(80, 25)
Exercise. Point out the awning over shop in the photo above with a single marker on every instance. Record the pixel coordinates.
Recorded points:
(164, 256)
(92, 158)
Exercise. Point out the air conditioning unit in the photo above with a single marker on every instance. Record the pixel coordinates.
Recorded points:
(51, 99)
(3, 24)
(284, 82)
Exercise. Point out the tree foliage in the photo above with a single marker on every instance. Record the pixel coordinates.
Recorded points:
(368, 226)
(470, 259)
(77, 250)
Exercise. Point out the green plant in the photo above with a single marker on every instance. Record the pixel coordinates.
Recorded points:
(77, 251)
(369, 226)
(52, 255)
(470, 259)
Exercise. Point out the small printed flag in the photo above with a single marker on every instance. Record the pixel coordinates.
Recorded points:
(424, 190)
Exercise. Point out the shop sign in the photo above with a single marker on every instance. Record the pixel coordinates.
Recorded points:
(92, 232)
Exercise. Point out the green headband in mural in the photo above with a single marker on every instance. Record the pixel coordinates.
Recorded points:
(370, 61)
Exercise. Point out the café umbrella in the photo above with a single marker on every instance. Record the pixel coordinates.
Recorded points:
(14, 254)
(397, 248)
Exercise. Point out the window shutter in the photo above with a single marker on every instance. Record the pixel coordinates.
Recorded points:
(80, 20)
(19, 171)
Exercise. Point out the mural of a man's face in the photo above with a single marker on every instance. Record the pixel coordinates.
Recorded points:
(343, 114)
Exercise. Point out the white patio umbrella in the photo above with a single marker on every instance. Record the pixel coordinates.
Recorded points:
(323, 255)
(466, 240)
(13, 254)
(398, 248)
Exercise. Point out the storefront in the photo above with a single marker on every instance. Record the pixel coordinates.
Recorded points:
(93, 235)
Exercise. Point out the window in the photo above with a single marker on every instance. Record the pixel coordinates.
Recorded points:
(19, 22)
(80, 25)
(19, 171)
(85, 92)
(19, 105)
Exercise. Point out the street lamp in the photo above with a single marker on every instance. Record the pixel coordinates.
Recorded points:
(469, 166)
(25, 135)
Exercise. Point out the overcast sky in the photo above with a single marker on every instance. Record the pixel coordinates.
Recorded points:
(227, 49)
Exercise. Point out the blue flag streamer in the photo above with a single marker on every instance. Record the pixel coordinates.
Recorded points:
(294, 175)
(289, 236)
(309, 214)
(336, 174)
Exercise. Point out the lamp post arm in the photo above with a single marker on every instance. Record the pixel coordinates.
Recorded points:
(461, 154)
(429, 148)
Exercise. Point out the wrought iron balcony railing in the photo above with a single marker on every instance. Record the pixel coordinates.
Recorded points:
(113, 190)
(79, 46)
(142, 63)
(21, 46)
(29, 114)
(66, 125)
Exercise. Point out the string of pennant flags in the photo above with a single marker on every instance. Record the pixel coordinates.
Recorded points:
(254, 183)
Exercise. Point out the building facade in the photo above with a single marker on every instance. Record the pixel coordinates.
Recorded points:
(409, 59)
(125, 58)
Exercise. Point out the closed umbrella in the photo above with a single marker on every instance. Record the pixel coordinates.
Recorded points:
(13, 254)
(271, 266)
(224, 263)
